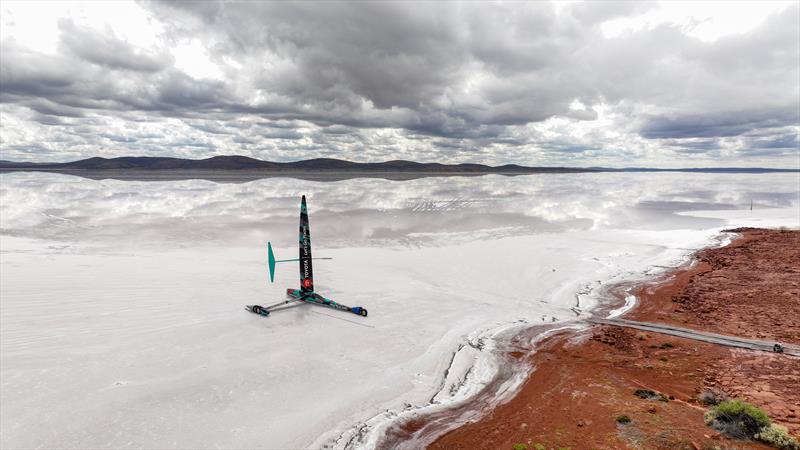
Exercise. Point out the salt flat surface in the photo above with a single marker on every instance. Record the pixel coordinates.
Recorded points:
(121, 320)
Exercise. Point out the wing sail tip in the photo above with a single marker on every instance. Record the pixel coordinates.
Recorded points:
(306, 277)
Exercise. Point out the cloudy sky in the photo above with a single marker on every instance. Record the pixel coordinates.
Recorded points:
(576, 84)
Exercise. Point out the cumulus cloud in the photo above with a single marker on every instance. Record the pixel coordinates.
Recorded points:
(530, 83)
(105, 49)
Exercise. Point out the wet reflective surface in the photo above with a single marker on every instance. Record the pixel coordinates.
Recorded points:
(367, 212)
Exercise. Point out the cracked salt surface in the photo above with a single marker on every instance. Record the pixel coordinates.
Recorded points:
(142, 283)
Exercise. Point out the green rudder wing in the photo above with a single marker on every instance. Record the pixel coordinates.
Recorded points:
(271, 259)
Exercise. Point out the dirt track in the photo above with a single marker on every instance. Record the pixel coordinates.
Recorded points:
(712, 338)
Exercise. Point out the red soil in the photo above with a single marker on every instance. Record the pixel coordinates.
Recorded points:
(582, 383)
(750, 288)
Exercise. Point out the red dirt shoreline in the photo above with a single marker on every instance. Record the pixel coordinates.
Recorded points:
(583, 381)
(755, 282)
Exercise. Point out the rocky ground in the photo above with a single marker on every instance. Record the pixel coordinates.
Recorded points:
(749, 288)
(583, 385)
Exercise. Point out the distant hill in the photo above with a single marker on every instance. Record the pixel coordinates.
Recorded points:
(250, 164)
(243, 168)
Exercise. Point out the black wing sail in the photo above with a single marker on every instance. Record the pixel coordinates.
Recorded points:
(306, 276)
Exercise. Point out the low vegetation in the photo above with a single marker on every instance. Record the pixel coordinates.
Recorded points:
(778, 437)
(647, 394)
(623, 419)
(741, 420)
(712, 397)
(737, 419)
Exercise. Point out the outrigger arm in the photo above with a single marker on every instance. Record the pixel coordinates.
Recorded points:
(265, 310)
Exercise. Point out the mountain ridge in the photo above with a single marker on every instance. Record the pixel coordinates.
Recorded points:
(238, 162)
(245, 163)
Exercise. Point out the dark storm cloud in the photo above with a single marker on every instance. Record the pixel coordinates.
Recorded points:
(413, 66)
(399, 65)
(337, 129)
(695, 146)
(64, 86)
(731, 123)
(280, 134)
(47, 119)
(182, 92)
(785, 145)
(26, 74)
(208, 126)
(449, 76)
(45, 106)
(787, 141)
(450, 144)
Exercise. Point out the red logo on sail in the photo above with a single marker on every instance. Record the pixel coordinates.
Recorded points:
(307, 283)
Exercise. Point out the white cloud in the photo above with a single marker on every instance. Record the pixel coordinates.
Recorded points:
(705, 20)
(34, 24)
(192, 58)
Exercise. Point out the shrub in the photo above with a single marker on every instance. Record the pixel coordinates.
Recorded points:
(623, 419)
(777, 436)
(712, 397)
(538, 446)
(647, 394)
(737, 419)
(519, 447)
(738, 407)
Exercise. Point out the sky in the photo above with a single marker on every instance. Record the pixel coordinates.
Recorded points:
(578, 84)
